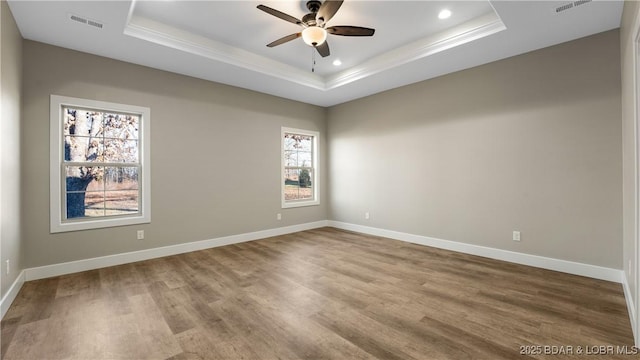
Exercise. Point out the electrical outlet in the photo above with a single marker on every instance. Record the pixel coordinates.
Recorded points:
(278, 216)
(140, 234)
(516, 236)
(8, 267)
(366, 215)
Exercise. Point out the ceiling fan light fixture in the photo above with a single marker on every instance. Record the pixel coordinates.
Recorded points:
(314, 35)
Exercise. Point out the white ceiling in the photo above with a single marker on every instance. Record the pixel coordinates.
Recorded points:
(224, 41)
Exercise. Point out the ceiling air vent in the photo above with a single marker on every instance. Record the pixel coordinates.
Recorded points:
(86, 21)
(571, 5)
(78, 19)
(581, 2)
(95, 23)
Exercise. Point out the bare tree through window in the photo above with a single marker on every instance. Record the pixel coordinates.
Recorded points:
(101, 163)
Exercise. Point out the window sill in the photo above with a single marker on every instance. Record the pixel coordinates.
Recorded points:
(295, 204)
(85, 224)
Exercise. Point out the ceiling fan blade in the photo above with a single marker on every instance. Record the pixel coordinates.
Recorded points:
(328, 9)
(350, 31)
(284, 39)
(279, 14)
(323, 49)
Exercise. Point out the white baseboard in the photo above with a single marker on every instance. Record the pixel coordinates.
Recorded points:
(125, 258)
(631, 308)
(8, 298)
(592, 271)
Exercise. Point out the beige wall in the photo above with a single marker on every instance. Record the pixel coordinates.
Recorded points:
(10, 80)
(530, 143)
(630, 18)
(215, 154)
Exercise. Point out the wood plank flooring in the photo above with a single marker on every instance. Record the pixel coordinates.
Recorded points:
(318, 294)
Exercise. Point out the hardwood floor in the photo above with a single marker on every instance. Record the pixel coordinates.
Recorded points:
(318, 294)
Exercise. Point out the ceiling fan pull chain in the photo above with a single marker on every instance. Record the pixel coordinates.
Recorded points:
(313, 59)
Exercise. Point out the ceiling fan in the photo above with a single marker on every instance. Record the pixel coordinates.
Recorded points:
(314, 32)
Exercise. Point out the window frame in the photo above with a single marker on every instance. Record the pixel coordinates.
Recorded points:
(57, 190)
(315, 168)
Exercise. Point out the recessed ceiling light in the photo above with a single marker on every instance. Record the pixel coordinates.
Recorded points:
(444, 14)
(337, 62)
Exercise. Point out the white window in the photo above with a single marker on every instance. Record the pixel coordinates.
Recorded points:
(299, 168)
(99, 164)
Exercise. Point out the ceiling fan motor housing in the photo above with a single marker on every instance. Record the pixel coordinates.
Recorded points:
(310, 19)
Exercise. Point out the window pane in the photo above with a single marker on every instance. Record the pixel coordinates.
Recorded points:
(82, 122)
(121, 151)
(121, 126)
(121, 202)
(75, 204)
(94, 204)
(289, 142)
(297, 142)
(121, 178)
(291, 176)
(83, 148)
(304, 159)
(98, 182)
(84, 204)
(304, 143)
(305, 179)
(291, 192)
(305, 194)
(290, 158)
(298, 185)
(68, 119)
(80, 178)
(81, 184)
(291, 184)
